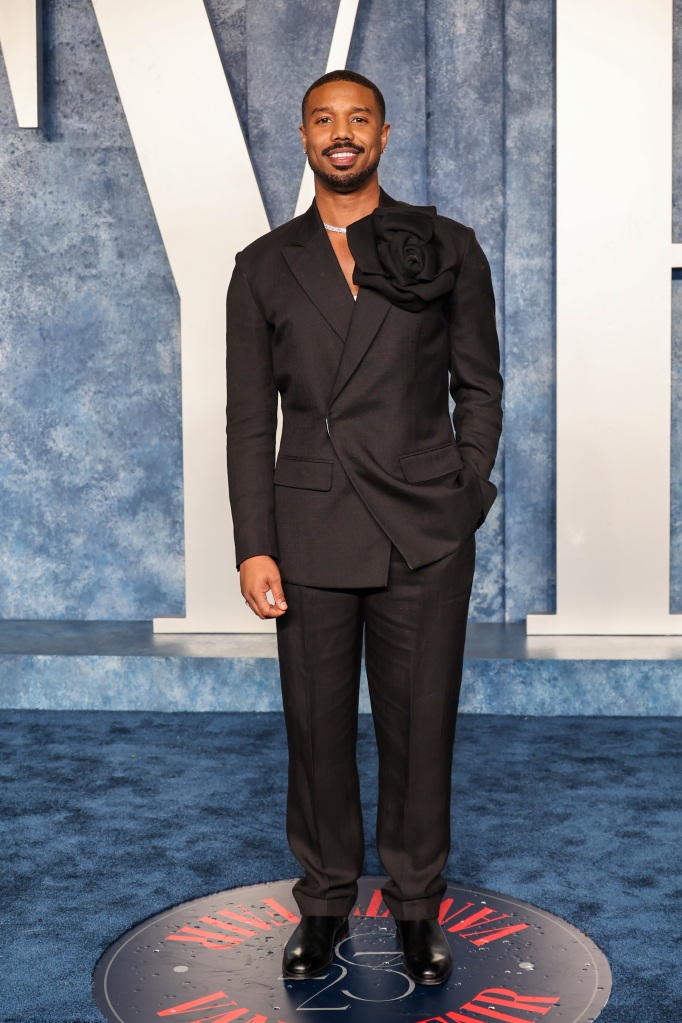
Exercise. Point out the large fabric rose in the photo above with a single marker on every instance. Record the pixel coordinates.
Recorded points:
(404, 252)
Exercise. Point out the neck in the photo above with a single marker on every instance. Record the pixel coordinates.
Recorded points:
(344, 208)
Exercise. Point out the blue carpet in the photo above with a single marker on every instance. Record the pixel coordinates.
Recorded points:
(108, 817)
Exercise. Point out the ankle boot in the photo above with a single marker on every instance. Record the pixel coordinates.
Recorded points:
(310, 949)
(426, 951)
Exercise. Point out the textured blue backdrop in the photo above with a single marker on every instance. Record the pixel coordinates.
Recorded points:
(90, 441)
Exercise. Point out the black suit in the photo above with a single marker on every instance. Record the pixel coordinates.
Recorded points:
(371, 495)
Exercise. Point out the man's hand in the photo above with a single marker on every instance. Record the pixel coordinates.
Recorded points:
(257, 575)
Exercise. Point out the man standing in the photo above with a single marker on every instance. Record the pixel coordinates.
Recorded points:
(362, 314)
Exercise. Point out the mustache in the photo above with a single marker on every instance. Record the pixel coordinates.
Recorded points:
(345, 146)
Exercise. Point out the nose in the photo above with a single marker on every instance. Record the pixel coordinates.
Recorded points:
(342, 130)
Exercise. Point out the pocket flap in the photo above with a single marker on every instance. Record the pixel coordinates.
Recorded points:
(429, 464)
(306, 473)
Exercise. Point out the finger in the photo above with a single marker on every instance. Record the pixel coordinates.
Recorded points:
(252, 600)
(278, 593)
(268, 610)
(253, 607)
(262, 606)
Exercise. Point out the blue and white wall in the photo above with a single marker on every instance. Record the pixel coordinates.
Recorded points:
(90, 430)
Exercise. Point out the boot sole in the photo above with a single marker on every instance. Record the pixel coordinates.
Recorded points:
(430, 982)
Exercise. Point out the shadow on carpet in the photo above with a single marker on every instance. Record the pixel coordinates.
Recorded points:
(110, 817)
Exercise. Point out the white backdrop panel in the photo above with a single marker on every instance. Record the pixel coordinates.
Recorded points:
(614, 201)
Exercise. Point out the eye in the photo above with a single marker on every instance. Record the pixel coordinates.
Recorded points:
(323, 120)
(359, 118)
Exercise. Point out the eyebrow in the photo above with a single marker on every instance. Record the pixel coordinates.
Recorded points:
(354, 110)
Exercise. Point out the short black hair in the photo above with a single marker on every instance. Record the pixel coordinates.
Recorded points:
(347, 76)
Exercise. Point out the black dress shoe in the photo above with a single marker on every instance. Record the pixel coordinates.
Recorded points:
(310, 949)
(426, 951)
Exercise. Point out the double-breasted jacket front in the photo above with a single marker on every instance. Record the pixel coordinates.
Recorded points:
(368, 455)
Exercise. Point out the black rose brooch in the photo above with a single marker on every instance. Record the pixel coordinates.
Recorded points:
(405, 253)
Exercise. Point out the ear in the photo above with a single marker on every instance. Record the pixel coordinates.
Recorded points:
(385, 132)
(304, 137)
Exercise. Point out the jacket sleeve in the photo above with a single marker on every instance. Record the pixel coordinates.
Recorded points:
(475, 381)
(251, 422)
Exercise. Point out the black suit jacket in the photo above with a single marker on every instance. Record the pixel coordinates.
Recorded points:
(367, 454)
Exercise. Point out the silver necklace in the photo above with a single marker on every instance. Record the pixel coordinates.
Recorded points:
(330, 227)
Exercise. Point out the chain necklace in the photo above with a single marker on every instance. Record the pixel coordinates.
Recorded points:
(330, 227)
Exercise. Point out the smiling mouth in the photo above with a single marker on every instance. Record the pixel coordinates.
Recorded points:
(343, 157)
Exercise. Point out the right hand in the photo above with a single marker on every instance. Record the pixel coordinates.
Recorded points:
(257, 575)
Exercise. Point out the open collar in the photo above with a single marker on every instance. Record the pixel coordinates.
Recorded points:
(312, 261)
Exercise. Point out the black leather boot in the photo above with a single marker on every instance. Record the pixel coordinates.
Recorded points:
(426, 951)
(310, 949)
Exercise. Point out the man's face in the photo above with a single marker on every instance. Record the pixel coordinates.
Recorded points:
(343, 134)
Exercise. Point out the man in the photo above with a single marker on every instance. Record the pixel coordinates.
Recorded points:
(355, 312)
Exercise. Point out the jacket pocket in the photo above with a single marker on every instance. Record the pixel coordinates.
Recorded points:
(305, 473)
(430, 464)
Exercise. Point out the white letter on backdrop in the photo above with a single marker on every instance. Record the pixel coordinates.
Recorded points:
(206, 199)
(20, 39)
(614, 259)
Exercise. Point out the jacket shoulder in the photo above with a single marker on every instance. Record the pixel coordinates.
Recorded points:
(268, 244)
(460, 231)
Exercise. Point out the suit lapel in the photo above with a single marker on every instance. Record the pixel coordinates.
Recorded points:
(316, 268)
(370, 311)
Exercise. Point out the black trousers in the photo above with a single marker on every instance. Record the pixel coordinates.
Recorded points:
(414, 643)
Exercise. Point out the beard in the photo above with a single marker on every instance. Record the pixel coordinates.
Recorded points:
(346, 181)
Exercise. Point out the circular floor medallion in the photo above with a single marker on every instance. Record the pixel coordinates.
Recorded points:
(218, 960)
